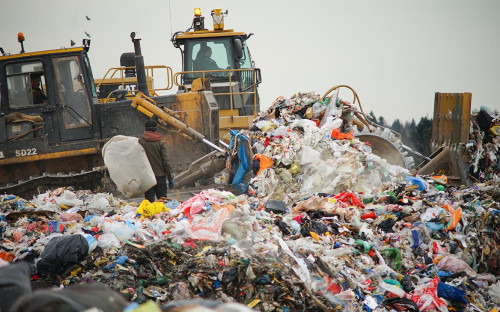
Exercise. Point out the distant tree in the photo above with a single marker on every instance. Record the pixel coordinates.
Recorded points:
(397, 126)
(408, 134)
(423, 135)
(381, 121)
(372, 117)
(416, 136)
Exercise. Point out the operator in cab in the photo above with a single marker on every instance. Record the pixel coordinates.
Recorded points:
(156, 151)
(38, 96)
(204, 60)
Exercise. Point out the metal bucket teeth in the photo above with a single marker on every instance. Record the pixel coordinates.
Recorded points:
(388, 135)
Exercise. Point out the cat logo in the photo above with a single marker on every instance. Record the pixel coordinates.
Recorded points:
(1, 155)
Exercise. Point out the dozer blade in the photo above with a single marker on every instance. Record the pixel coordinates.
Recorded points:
(450, 132)
(205, 167)
(386, 144)
(384, 149)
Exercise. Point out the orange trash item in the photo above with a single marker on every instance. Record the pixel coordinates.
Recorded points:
(456, 215)
(265, 162)
(7, 256)
(336, 134)
(442, 179)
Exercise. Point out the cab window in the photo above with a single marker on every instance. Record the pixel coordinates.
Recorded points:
(72, 92)
(26, 84)
(209, 54)
(245, 62)
(91, 78)
(246, 77)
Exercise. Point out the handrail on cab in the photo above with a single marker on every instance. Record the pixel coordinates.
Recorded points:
(150, 72)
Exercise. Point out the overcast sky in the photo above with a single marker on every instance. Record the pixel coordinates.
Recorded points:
(395, 53)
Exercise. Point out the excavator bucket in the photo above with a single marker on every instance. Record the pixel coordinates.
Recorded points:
(384, 144)
(450, 133)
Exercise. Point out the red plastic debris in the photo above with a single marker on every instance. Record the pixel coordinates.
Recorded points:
(349, 198)
(369, 215)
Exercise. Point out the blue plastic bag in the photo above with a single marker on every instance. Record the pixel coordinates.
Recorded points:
(451, 293)
(244, 165)
(418, 181)
(434, 226)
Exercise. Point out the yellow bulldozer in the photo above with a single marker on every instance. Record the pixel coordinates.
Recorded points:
(229, 72)
(57, 139)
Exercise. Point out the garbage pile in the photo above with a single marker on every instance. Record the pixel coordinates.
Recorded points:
(484, 145)
(295, 157)
(320, 224)
(404, 247)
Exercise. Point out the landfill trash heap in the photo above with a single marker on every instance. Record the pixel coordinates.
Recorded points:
(321, 225)
(484, 145)
(305, 159)
(403, 247)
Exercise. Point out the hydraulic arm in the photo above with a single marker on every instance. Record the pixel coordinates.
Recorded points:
(148, 107)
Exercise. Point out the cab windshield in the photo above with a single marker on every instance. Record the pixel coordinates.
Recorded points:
(209, 54)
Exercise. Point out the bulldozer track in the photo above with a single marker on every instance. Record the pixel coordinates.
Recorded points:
(88, 179)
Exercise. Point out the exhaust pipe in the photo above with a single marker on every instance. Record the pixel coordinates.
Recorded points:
(142, 83)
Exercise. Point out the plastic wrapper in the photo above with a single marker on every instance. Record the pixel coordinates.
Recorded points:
(421, 184)
(264, 162)
(426, 297)
(453, 264)
(210, 228)
(122, 231)
(451, 293)
(99, 204)
(265, 125)
(68, 199)
(331, 107)
(108, 241)
(147, 209)
(197, 203)
(91, 241)
(332, 123)
(392, 289)
(494, 292)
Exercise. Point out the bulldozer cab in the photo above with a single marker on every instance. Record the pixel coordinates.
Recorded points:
(223, 57)
(55, 86)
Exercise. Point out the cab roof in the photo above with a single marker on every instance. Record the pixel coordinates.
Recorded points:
(40, 53)
(209, 34)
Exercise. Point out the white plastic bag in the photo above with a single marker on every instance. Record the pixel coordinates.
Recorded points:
(122, 231)
(68, 199)
(494, 292)
(331, 123)
(330, 109)
(309, 155)
(99, 204)
(107, 241)
(128, 165)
